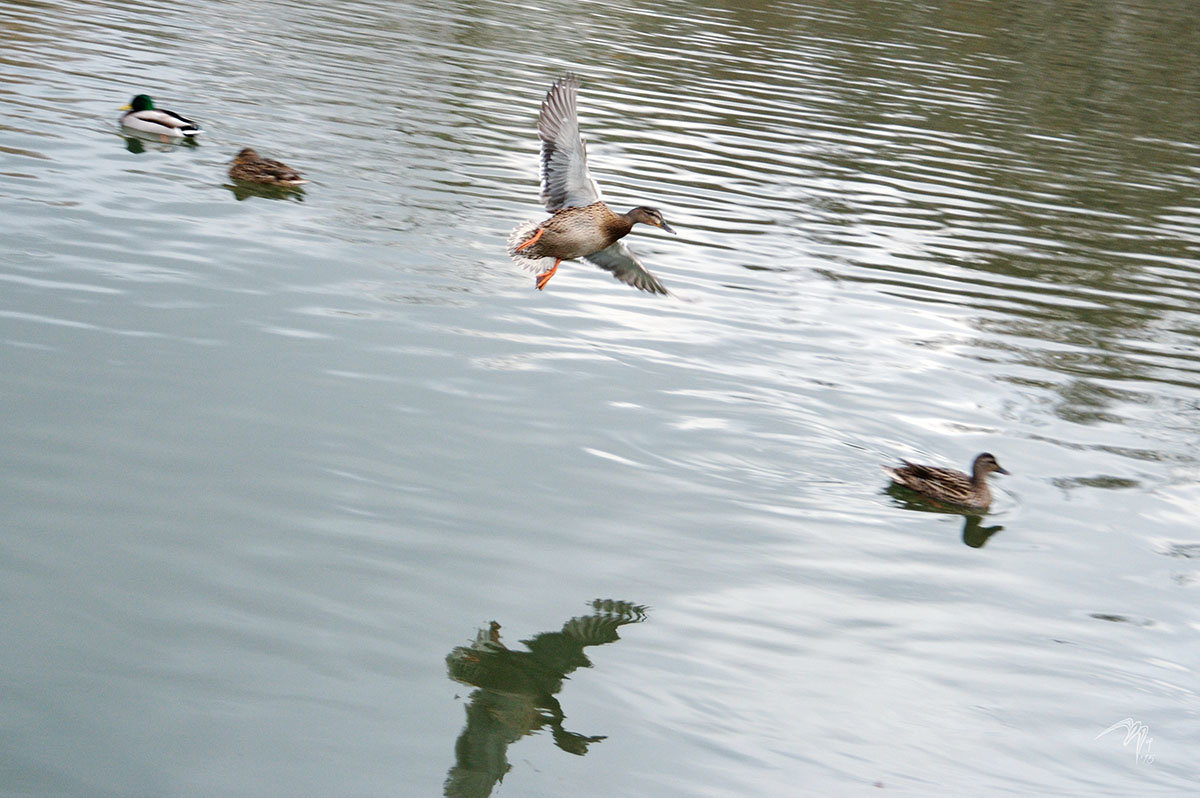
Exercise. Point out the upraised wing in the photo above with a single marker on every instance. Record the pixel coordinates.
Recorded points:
(566, 182)
(625, 266)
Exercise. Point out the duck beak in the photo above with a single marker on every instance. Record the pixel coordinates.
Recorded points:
(667, 227)
(1001, 470)
(126, 107)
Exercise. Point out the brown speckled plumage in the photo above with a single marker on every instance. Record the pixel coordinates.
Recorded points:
(576, 232)
(581, 224)
(949, 485)
(251, 167)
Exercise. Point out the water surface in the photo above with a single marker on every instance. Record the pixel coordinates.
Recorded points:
(317, 495)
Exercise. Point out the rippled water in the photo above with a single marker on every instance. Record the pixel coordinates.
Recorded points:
(318, 496)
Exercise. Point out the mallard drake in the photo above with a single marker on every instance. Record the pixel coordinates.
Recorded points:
(251, 167)
(581, 225)
(950, 485)
(142, 115)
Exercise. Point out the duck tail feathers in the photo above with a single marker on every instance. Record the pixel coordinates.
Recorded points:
(520, 234)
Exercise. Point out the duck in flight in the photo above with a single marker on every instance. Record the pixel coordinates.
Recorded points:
(581, 225)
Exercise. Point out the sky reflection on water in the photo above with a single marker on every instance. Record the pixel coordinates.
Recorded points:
(270, 460)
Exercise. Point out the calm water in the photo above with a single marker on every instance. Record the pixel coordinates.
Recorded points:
(318, 496)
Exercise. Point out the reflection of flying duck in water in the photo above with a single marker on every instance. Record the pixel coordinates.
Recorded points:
(516, 692)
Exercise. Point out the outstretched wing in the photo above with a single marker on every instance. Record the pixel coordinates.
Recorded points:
(566, 182)
(625, 266)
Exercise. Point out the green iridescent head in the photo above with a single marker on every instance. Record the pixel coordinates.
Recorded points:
(141, 102)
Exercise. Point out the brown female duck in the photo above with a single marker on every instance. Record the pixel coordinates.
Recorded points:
(949, 485)
(581, 225)
(251, 167)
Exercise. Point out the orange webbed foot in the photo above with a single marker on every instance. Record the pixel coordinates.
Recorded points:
(544, 277)
(533, 240)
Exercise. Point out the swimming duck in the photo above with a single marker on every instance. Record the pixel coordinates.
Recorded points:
(949, 485)
(580, 225)
(251, 167)
(143, 116)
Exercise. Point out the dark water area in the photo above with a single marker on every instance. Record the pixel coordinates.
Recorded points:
(314, 494)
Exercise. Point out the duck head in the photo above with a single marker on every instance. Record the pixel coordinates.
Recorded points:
(986, 464)
(141, 102)
(651, 216)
